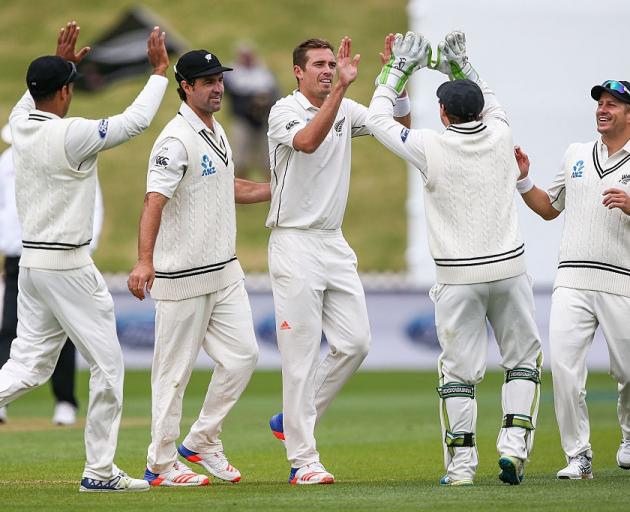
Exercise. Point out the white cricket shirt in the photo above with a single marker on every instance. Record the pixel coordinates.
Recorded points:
(310, 191)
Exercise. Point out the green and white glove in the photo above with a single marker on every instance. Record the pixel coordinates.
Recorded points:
(408, 54)
(452, 59)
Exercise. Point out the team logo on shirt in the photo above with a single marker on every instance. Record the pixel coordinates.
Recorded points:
(291, 124)
(578, 169)
(404, 133)
(625, 179)
(102, 128)
(161, 161)
(339, 126)
(207, 167)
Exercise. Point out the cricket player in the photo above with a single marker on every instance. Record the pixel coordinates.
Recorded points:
(313, 270)
(592, 287)
(187, 260)
(61, 293)
(469, 174)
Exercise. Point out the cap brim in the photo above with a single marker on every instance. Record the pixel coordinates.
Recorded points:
(211, 71)
(596, 93)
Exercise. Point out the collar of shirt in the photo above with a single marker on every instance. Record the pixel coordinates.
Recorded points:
(603, 151)
(193, 119)
(44, 113)
(304, 103)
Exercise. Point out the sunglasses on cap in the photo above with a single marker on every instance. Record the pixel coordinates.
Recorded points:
(73, 73)
(616, 86)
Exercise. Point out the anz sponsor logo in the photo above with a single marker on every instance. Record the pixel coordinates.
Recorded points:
(339, 126)
(207, 167)
(404, 133)
(102, 128)
(291, 124)
(625, 179)
(578, 169)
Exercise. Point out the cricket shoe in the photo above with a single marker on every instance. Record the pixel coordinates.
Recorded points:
(180, 475)
(623, 454)
(277, 425)
(3, 414)
(119, 483)
(65, 414)
(448, 481)
(314, 473)
(512, 470)
(580, 467)
(215, 463)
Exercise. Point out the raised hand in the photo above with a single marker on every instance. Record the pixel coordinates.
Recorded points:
(387, 48)
(347, 67)
(67, 41)
(522, 160)
(452, 59)
(408, 53)
(156, 50)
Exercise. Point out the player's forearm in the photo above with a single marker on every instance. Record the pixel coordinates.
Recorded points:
(138, 116)
(387, 131)
(247, 192)
(309, 138)
(150, 225)
(538, 201)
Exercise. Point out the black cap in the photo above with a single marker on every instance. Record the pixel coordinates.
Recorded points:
(461, 98)
(198, 63)
(48, 74)
(619, 89)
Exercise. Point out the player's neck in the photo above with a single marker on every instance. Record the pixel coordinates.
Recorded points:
(615, 142)
(206, 117)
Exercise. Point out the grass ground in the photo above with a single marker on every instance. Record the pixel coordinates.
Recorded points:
(380, 439)
(378, 189)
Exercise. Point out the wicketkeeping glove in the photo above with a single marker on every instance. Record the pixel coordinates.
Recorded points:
(452, 59)
(408, 54)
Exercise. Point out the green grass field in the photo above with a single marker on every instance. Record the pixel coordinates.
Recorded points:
(375, 222)
(380, 438)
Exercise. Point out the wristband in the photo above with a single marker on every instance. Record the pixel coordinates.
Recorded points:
(402, 107)
(525, 185)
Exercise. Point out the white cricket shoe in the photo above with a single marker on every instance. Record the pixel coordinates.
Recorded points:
(65, 414)
(623, 454)
(3, 414)
(580, 467)
(180, 475)
(121, 482)
(314, 473)
(214, 463)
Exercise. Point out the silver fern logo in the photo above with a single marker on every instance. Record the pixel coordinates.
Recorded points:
(339, 125)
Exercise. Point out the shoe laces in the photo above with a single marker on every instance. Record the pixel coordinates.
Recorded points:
(625, 443)
(316, 466)
(180, 466)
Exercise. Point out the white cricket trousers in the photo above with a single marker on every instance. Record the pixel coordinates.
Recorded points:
(52, 306)
(461, 316)
(316, 288)
(575, 315)
(220, 322)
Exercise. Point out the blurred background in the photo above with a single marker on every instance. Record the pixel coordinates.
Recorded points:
(540, 57)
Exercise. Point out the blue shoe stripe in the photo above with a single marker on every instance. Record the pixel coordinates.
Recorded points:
(185, 452)
(292, 473)
(149, 475)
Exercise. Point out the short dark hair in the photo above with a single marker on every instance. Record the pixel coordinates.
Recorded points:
(458, 120)
(39, 97)
(181, 92)
(299, 52)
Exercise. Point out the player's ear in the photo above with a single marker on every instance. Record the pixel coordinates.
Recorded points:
(298, 72)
